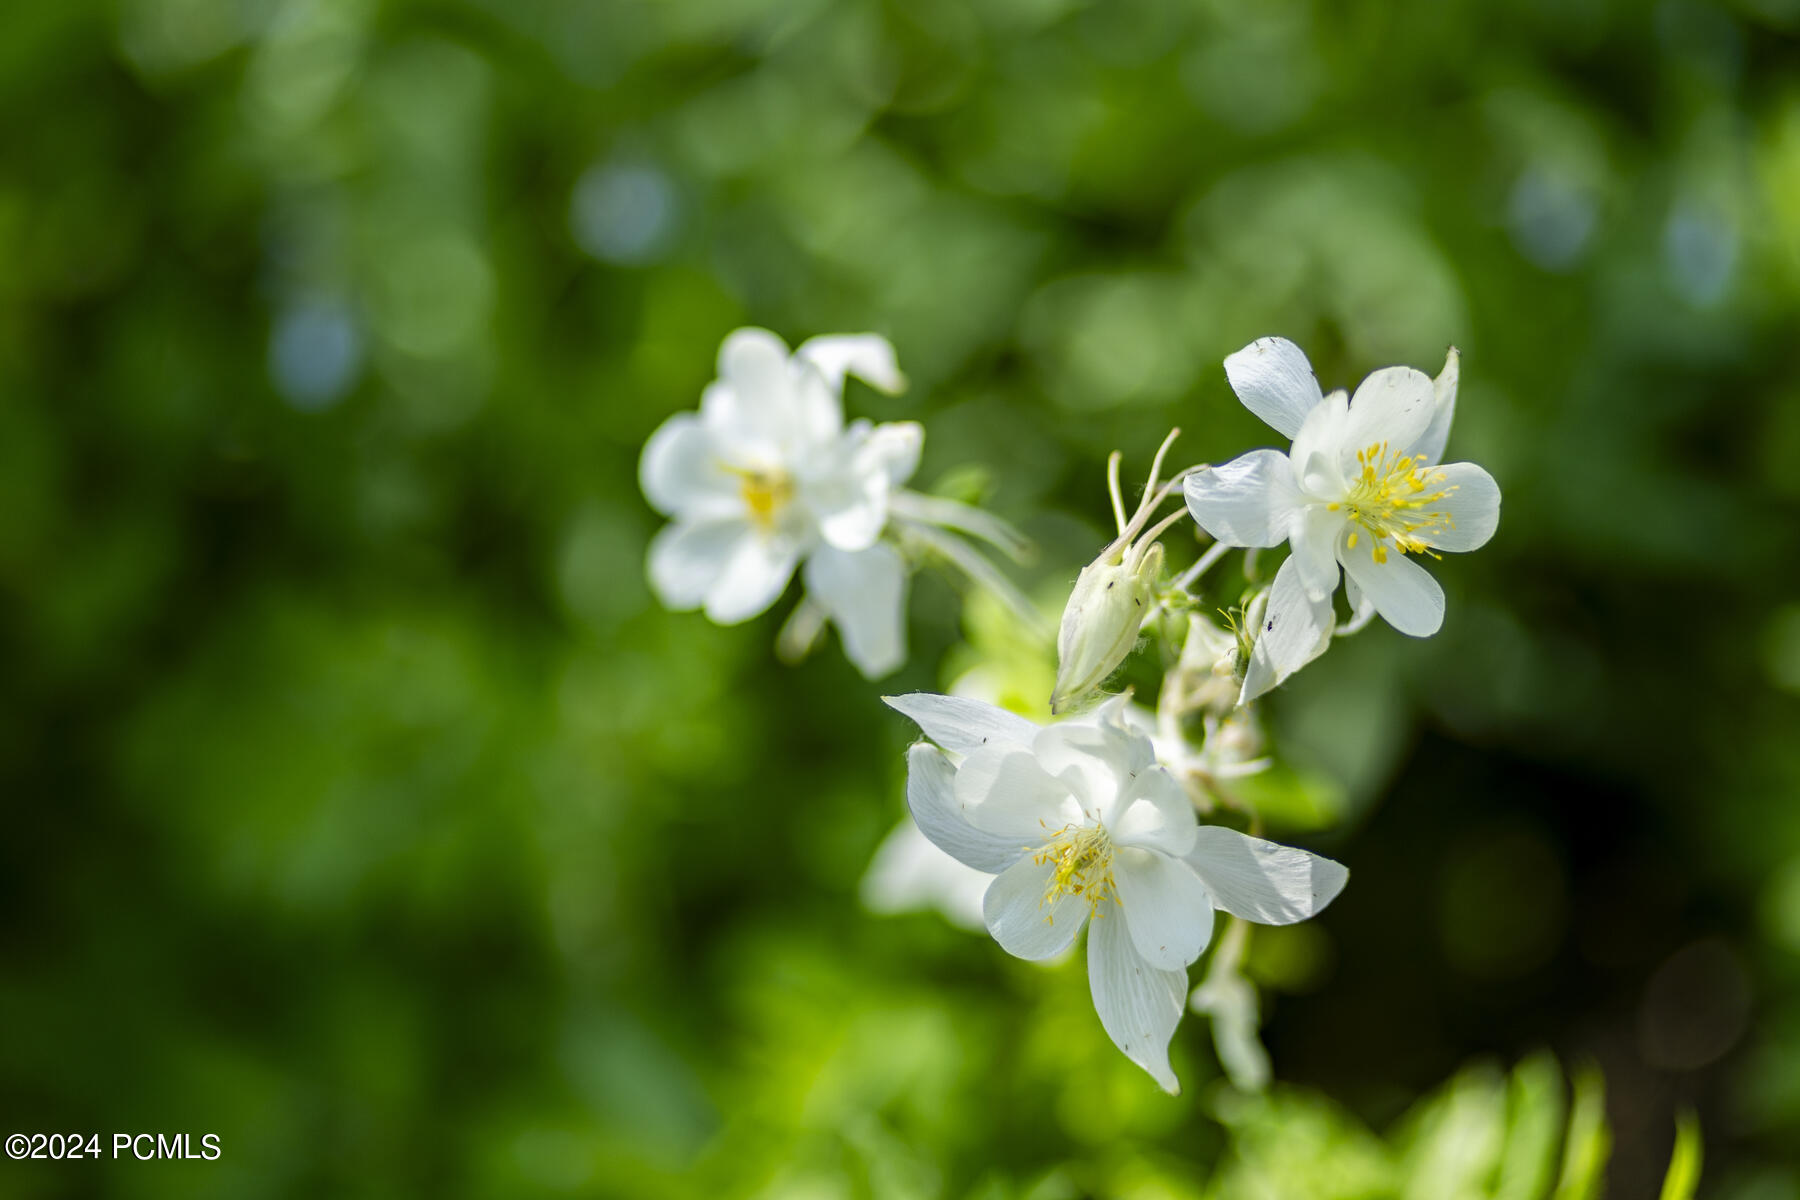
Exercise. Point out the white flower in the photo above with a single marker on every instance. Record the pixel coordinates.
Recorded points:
(1361, 489)
(767, 477)
(1076, 820)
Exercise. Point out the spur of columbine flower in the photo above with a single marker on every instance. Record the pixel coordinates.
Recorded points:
(1076, 820)
(767, 478)
(1362, 489)
(1115, 593)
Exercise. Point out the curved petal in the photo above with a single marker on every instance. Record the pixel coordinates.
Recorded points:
(1096, 757)
(1393, 406)
(931, 798)
(864, 594)
(1402, 591)
(1318, 450)
(687, 558)
(1273, 379)
(961, 725)
(1295, 630)
(1139, 1005)
(893, 450)
(1003, 791)
(1314, 539)
(1155, 815)
(755, 574)
(846, 495)
(1362, 611)
(1022, 920)
(1262, 881)
(1473, 507)
(775, 408)
(1249, 501)
(1166, 907)
(681, 474)
(1430, 446)
(868, 356)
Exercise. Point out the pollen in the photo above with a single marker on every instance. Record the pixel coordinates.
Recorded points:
(1398, 500)
(1081, 864)
(765, 494)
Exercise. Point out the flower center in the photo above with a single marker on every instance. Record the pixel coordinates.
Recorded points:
(1395, 497)
(1081, 861)
(765, 494)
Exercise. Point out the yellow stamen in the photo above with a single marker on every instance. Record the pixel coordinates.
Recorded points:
(765, 494)
(1393, 498)
(1082, 859)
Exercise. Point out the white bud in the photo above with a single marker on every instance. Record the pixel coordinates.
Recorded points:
(1101, 622)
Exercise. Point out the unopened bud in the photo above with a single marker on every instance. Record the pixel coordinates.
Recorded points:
(1100, 624)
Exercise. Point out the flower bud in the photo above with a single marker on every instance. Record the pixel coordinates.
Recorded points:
(1100, 625)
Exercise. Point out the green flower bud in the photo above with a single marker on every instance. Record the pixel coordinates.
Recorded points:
(1101, 622)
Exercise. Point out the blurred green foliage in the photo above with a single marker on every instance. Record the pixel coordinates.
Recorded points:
(365, 812)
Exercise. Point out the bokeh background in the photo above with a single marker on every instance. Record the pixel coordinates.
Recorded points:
(363, 809)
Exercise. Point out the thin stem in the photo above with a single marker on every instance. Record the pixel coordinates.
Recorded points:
(1189, 577)
(980, 571)
(1156, 530)
(964, 518)
(1112, 488)
(1157, 462)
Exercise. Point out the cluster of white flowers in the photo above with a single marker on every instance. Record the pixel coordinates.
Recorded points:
(1119, 813)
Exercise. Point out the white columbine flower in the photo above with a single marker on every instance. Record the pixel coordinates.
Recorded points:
(1361, 489)
(767, 477)
(1076, 820)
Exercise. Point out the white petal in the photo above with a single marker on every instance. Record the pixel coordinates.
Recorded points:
(868, 356)
(763, 403)
(1262, 881)
(962, 725)
(1295, 630)
(1139, 1005)
(864, 594)
(1096, 757)
(1020, 919)
(1156, 814)
(1166, 907)
(931, 797)
(755, 363)
(1362, 609)
(1473, 506)
(1318, 451)
(1402, 591)
(681, 474)
(893, 449)
(687, 558)
(1274, 380)
(755, 575)
(1430, 445)
(1002, 790)
(1393, 406)
(1314, 539)
(847, 487)
(1249, 501)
